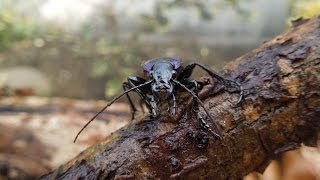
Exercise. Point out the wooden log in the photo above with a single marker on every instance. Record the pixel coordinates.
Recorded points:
(280, 111)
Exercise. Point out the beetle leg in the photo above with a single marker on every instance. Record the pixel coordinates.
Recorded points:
(173, 110)
(204, 123)
(191, 83)
(168, 109)
(174, 104)
(200, 116)
(195, 105)
(126, 86)
(142, 92)
(153, 106)
(229, 83)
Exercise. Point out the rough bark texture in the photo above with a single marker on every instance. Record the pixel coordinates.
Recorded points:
(281, 109)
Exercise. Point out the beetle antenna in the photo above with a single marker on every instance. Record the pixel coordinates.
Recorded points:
(198, 100)
(205, 109)
(109, 104)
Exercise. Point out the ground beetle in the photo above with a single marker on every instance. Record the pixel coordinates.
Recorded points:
(165, 74)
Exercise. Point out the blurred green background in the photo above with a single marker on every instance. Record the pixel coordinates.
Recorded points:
(86, 49)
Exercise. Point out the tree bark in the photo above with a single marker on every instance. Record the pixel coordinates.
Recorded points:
(280, 111)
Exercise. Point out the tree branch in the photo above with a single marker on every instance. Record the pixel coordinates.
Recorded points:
(281, 110)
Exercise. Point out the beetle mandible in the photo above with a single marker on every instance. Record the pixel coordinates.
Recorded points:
(165, 74)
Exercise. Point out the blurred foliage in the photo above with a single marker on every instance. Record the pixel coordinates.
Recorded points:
(118, 62)
(110, 59)
(14, 27)
(159, 19)
(304, 8)
(128, 54)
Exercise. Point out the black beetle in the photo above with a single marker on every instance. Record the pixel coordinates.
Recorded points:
(164, 74)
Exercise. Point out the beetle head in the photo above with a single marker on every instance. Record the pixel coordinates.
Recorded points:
(162, 74)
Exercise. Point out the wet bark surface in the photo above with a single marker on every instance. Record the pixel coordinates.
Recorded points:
(280, 111)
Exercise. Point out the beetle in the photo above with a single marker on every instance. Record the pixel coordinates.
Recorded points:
(166, 75)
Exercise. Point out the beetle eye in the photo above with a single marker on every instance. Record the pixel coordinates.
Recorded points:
(150, 74)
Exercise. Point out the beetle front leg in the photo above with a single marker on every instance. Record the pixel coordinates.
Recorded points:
(192, 84)
(142, 92)
(173, 109)
(228, 83)
(153, 106)
(127, 86)
(174, 104)
(204, 123)
(195, 105)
